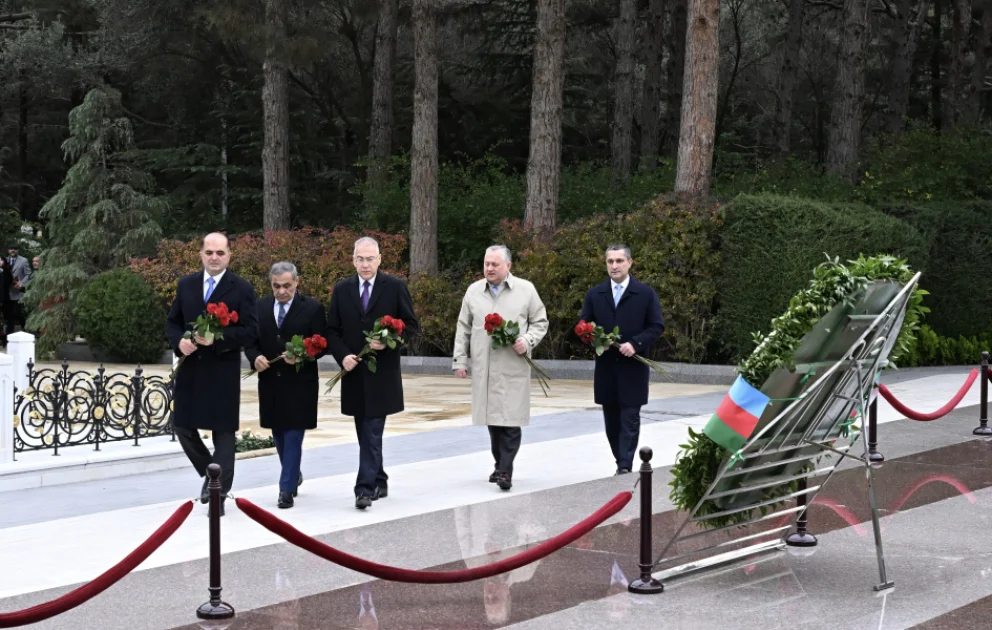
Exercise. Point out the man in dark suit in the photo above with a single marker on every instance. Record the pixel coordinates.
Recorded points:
(207, 394)
(355, 305)
(287, 398)
(621, 382)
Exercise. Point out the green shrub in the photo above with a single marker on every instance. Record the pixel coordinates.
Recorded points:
(792, 177)
(769, 245)
(119, 314)
(959, 273)
(930, 349)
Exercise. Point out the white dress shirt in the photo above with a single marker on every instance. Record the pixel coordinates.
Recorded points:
(216, 278)
(275, 308)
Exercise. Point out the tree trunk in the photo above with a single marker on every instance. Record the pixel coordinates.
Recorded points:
(423, 164)
(676, 73)
(906, 37)
(623, 110)
(653, 75)
(787, 77)
(275, 107)
(936, 87)
(544, 162)
(849, 92)
(980, 70)
(24, 190)
(957, 81)
(697, 133)
(381, 133)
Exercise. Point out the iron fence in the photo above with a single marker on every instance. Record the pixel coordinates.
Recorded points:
(61, 408)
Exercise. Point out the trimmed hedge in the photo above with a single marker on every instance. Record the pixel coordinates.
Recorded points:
(769, 245)
(119, 314)
(959, 274)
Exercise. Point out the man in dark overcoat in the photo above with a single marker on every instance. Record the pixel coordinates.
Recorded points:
(621, 382)
(356, 304)
(207, 393)
(287, 397)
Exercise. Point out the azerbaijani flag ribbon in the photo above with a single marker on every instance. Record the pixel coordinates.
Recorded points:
(735, 418)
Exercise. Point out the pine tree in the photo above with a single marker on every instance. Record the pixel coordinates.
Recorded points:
(105, 213)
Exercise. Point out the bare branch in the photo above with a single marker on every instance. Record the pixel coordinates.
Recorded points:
(16, 17)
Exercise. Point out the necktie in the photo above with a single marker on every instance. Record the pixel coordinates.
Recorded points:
(282, 315)
(210, 290)
(365, 297)
(495, 289)
(616, 294)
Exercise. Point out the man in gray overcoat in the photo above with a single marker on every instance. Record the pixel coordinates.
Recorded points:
(501, 376)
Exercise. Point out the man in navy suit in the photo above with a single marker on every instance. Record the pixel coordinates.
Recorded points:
(207, 394)
(621, 382)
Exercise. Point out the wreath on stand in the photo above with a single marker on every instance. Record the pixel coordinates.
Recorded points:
(833, 283)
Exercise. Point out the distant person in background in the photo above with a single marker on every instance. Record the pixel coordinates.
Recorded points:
(6, 281)
(36, 263)
(20, 271)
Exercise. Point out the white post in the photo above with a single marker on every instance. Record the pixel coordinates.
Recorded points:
(6, 409)
(20, 346)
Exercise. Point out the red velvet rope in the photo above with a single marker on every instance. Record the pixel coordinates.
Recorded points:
(927, 417)
(87, 591)
(383, 572)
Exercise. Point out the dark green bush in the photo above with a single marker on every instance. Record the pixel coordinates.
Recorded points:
(119, 314)
(933, 349)
(770, 246)
(959, 273)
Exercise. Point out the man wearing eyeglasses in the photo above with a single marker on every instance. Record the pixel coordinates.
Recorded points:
(356, 304)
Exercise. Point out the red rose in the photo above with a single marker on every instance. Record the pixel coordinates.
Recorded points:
(312, 350)
(211, 309)
(494, 319)
(399, 326)
(489, 328)
(225, 320)
(234, 316)
(386, 321)
(319, 342)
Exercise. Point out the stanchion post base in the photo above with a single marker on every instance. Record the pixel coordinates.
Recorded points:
(223, 610)
(882, 587)
(801, 540)
(875, 457)
(649, 586)
(983, 431)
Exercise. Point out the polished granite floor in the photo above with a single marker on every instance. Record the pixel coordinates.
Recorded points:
(934, 490)
(936, 527)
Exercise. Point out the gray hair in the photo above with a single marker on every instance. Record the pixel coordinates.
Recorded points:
(501, 248)
(366, 240)
(618, 247)
(283, 267)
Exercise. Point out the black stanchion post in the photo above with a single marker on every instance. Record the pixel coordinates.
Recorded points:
(801, 537)
(646, 584)
(983, 420)
(873, 455)
(215, 608)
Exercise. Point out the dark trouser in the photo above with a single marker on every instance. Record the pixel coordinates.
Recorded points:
(289, 446)
(13, 314)
(505, 443)
(623, 428)
(200, 457)
(370, 472)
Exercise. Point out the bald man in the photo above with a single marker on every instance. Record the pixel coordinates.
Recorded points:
(207, 394)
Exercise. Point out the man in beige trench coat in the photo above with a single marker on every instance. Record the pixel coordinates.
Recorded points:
(500, 377)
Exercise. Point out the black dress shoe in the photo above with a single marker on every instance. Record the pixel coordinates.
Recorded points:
(493, 478)
(205, 492)
(504, 481)
(286, 500)
(363, 501)
(380, 493)
(622, 471)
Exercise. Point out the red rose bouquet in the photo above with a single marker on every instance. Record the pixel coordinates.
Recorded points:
(387, 331)
(601, 341)
(209, 325)
(301, 349)
(505, 333)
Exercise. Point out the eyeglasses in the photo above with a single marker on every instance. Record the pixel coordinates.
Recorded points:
(370, 259)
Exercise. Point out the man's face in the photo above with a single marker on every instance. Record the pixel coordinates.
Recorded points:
(36, 262)
(495, 267)
(284, 287)
(367, 261)
(12, 252)
(618, 265)
(215, 254)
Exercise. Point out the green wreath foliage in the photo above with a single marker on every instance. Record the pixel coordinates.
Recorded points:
(833, 283)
